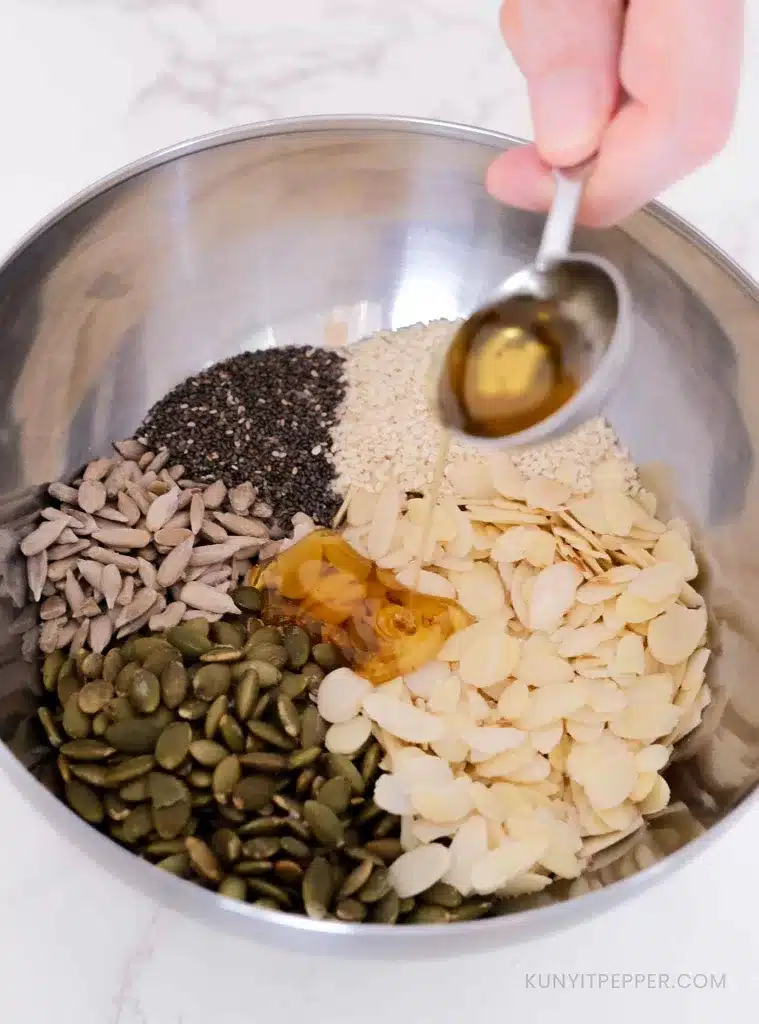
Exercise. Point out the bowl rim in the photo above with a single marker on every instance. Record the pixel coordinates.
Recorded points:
(536, 922)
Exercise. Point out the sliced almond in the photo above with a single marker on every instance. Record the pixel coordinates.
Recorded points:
(676, 634)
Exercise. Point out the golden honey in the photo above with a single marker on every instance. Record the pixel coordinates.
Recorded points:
(382, 628)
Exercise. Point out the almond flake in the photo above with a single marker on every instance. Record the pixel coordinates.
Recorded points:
(403, 720)
(480, 591)
(676, 634)
(552, 596)
(415, 871)
(449, 802)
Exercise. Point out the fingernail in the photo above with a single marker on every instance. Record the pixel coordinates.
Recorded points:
(566, 114)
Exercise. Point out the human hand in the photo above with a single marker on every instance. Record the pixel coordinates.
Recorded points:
(649, 84)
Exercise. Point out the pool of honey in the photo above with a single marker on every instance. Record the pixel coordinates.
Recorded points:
(382, 628)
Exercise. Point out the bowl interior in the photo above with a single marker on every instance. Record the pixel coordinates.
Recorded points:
(327, 231)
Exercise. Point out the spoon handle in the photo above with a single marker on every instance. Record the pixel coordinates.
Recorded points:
(560, 223)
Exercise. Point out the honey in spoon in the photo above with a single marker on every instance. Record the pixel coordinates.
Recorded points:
(507, 368)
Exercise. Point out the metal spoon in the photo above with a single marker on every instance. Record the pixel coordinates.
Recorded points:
(576, 306)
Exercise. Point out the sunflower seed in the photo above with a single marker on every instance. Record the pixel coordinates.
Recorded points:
(126, 563)
(141, 604)
(214, 495)
(45, 535)
(62, 492)
(91, 496)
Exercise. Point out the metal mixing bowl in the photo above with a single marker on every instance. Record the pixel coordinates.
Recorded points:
(291, 231)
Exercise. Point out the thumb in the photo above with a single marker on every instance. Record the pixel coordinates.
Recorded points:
(569, 55)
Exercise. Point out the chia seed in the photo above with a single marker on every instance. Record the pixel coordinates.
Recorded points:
(263, 416)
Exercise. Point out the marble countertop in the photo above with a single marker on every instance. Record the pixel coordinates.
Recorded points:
(91, 84)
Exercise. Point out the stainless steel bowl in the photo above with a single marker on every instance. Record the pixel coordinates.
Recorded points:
(285, 232)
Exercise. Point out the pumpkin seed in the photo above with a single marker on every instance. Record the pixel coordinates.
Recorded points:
(429, 915)
(94, 696)
(288, 716)
(100, 723)
(174, 684)
(340, 764)
(304, 758)
(288, 871)
(232, 734)
(221, 653)
(350, 911)
(137, 824)
(471, 910)
(227, 845)
(313, 675)
(125, 675)
(203, 859)
(253, 868)
(144, 692)
(115, 807)
(246, 694)
(165, 847)
(267, 674)
(263, 635)
(407, 904)
(385, 826)
(335, 793)
(271, 735)
(324, 823)
(272, 654)
(388, 849)
(307, 782)
(173, 745)
(297, 644)
(261, 705)
(166, 790)
(293, 684)
(356, 878)
(87, 750)
(378, 886)
(313, 728)
(216, 712)
(326, 656)
(51, 668)
(210, 681)
(200, 779)
(134, 735)
(248, 598)
(175, 864)
(370, 762)
(112, 665)
(85, 801)
(119, 709)
(158, 660)
(75, 723)
(317, 888)
(264, 761)
(387, 910)
(269, 890)
(262, 826)
(188, 637)
(173, 820)
(293, 807)
(127, 771)
(233, 888)
(192, 710)
(230, 634)
(253, 793)
(68, 685)
(135, 792)
(226, 775)
(261, 848)
(442, 895)
(92, 773)
(368, 813)
(207, 752)
(295, 847)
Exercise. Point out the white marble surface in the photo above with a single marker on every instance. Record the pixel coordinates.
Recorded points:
(90, 84)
